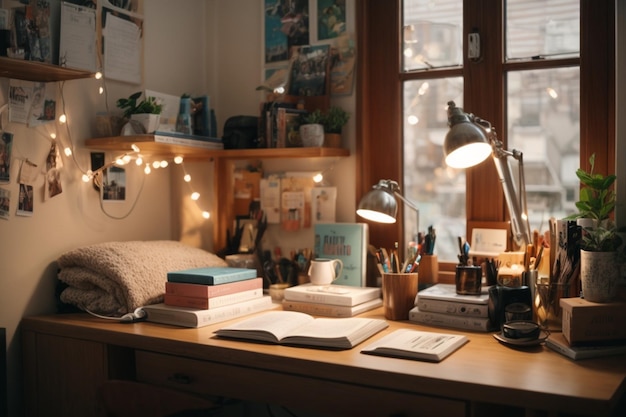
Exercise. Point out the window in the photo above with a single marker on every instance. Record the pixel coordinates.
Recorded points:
(530, 81)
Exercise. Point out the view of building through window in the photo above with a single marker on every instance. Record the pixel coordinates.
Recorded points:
(542, 111)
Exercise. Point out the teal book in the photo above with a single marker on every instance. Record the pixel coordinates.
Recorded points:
(348, 242)
(211, 275)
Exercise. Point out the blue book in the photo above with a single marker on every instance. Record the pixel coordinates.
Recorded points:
(211, 275)
(348, 242)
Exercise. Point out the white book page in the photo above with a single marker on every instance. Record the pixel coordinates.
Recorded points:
(279, 323)
(415, 341)
(331, 328)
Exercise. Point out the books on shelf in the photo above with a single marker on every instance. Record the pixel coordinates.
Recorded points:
(212, 275)
(195, 317)
(177, 138)
(299, 329)
(558, 343)
(212, 302)
(442, 298)
(348, 242)
(416, 345)
(340, 295)
(465, 322)
(207, 291)
(329, 310)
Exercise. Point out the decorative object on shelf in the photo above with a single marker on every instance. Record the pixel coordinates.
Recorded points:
(183, 121)
(146, 111)
(599, 263)
(333, 121)
(312, 130)
(470, 141)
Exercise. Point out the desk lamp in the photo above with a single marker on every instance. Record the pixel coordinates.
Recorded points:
(470, 141)
(380, 205)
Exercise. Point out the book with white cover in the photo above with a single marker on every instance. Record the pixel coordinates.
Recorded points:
(453, 307)
(212, 302)
(558, 343)
(195, 317)
(447, 292)
(329, 310)
(196, 141)
(340, 295)
(416, 345)
(480, 324)
(299, 329)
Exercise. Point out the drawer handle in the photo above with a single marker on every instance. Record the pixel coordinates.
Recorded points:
(180, 379)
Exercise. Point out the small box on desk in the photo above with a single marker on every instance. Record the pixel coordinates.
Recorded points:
(585, 321)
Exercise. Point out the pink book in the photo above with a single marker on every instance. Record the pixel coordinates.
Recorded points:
(209, 291)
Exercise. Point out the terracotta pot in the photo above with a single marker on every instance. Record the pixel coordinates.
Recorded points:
(332, 140)
(599, 275)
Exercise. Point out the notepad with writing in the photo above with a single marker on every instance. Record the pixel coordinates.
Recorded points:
(299, 329)
(416, 345)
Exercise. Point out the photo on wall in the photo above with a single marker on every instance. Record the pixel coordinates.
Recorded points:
(331, 18)
(286, 25)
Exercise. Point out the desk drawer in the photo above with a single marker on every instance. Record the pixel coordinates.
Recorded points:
(313, 394)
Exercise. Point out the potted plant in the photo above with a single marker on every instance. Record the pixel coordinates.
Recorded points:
(146, 111)
(333, 121)
(312, 129)
(599, 265)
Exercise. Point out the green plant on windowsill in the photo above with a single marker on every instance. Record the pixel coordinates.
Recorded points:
(597, 203)
(131, 105)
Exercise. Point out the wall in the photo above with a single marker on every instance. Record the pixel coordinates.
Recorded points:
(175, 63)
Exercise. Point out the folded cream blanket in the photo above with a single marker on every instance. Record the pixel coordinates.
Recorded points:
(115, 278)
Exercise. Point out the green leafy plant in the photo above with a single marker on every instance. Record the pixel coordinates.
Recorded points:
(314, 117)
(597, 202)
(334, 119)
(132, 105)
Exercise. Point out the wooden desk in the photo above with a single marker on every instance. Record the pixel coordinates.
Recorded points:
(66, 358)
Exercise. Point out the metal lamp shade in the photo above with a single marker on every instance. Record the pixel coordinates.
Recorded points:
(379, 205)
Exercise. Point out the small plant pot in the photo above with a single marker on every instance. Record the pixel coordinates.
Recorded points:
(312, 135)
(599, 276)
(332, 140)
(149, 121)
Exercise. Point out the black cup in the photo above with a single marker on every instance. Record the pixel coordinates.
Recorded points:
(468, 280)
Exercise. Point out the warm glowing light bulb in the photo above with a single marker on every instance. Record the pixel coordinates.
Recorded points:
(62, 118)
(317, 178)
(98, 75)
(86, 178)
(139, 161)
(147, 169)
(126, 159)
(552, 92)
(408, 52)
(135, 148)
(413, 120)
(68, 151)
(178, 160)
(53, 135)
(163, 164)
(156, 165)
(206, 214)
(279, 90)
(119, 161)
(195, 196)
(187, 178)
(101, 90)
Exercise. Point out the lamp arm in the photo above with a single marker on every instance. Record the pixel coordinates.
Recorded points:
(410, 204)
(515, 195)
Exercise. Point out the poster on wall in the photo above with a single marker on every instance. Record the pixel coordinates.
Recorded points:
(331, 19)
(122, 41)
(286, 25)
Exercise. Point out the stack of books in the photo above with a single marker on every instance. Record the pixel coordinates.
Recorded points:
(441, 306)
(332, 300)
(202, 296)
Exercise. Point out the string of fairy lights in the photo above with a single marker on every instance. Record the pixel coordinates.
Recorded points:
(124, 159)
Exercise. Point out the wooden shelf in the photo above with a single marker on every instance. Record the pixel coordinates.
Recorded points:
(148, 146)
(38, 71)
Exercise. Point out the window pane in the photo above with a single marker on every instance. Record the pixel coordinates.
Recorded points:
(542, 28)
(432, 35)
(437, 190)
(544, 123)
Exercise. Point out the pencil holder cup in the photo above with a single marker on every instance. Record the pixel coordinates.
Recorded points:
(428, 271)
(399, 292)
(468, 279)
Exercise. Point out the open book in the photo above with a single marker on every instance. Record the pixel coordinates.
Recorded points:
(300, 329)
(417, 345)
